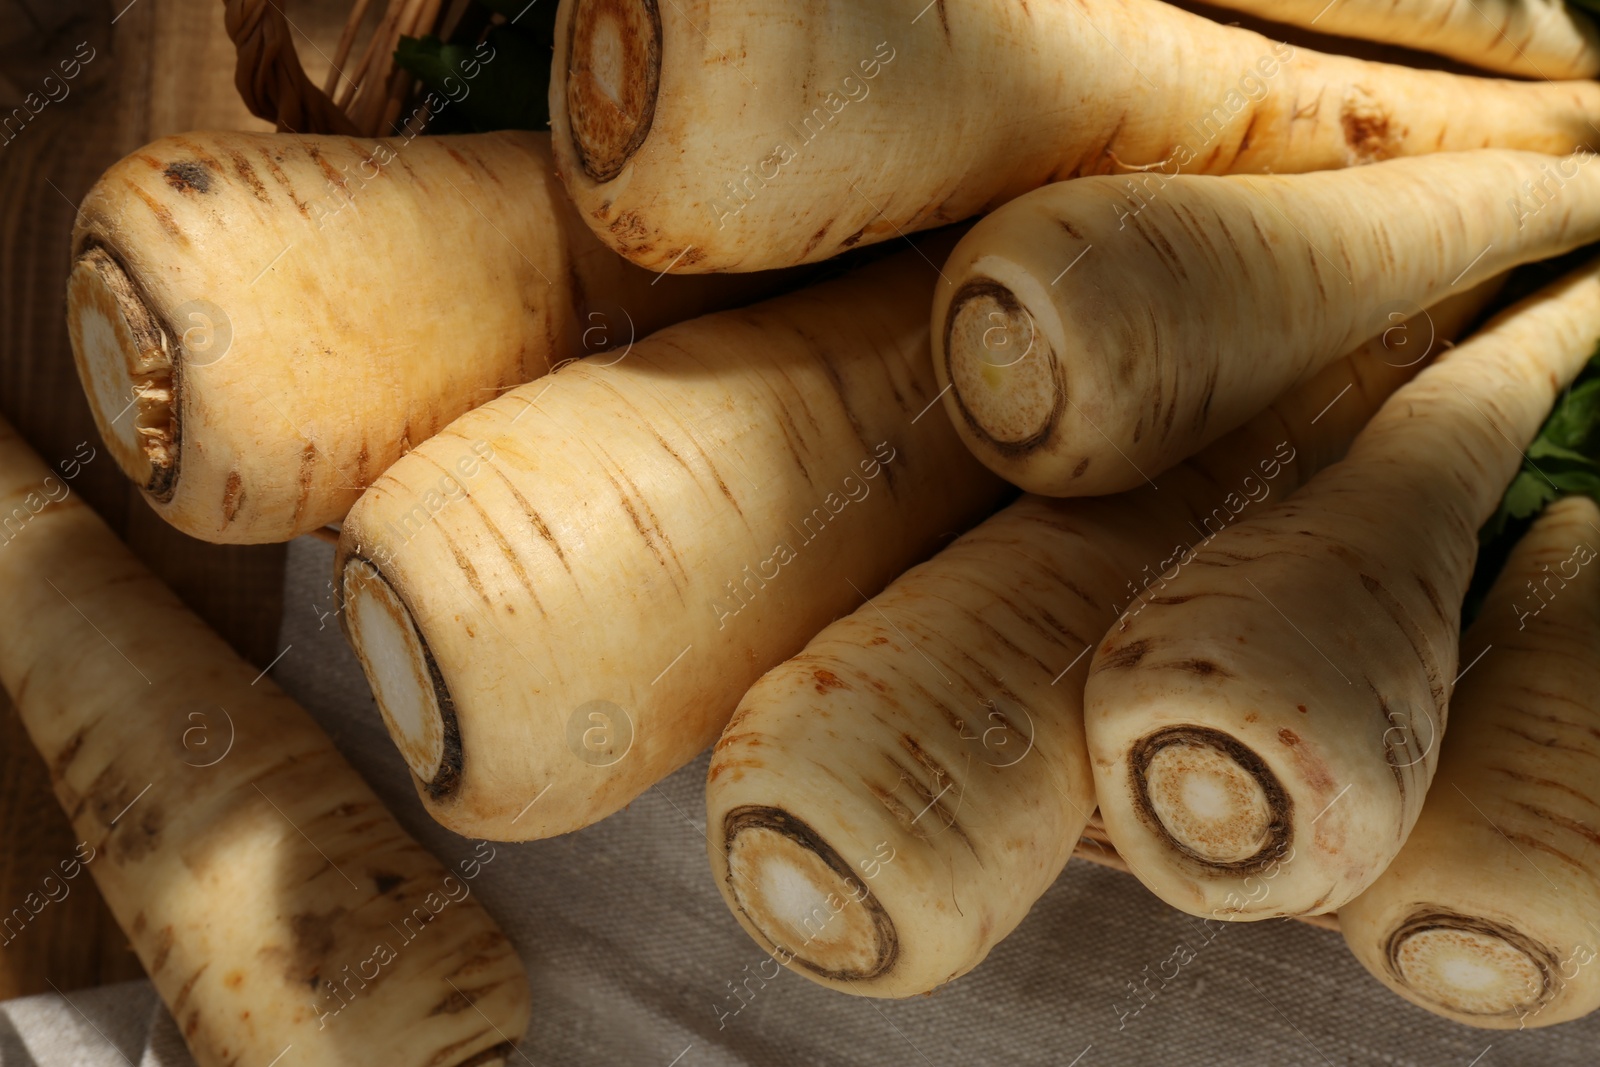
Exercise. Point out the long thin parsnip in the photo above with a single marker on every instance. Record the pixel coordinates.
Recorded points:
(271, 898)
(1488, 914)
(1529, 38)
(1094, 333)
(551, 635)
(264, 322)
(842, 124)
(1263, 727)
(924, 756)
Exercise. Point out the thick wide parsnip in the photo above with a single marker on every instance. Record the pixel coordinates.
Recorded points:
(1096, 332)
(885, 807)
(1263, 729)
(264, 322)
(560, 598)
(269, 895)
(1490, 915)
(703, 135)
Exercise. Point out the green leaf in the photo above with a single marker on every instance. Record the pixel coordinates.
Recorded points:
(1563, 460)
(501, 84)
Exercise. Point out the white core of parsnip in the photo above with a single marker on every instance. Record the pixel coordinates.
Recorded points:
(264, 322)
(641, 540)
(1487, 914)
(1315, 643)
(923, 758)
(253, 871)
(1092, 333)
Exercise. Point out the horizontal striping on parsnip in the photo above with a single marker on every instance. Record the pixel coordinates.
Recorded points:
(561, 597)
(1264, 730)
(1488, 914)
(1095, 332)
(710, 135)
(270, 896)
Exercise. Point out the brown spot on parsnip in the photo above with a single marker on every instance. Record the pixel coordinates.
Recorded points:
(1126, 657)
(158, 958)
(311, 941)
(187, 176)
(182, 998)
(853, 239)
(247, 174)
(827, 680)
(162, 215)
(232, 496)
(1202, 667)
(1288, 737)
(1368, 128)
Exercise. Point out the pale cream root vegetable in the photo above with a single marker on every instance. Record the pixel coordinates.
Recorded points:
(1529, 38)
(549, 637)
(271, 898)
(1096, 332)
(1263, 730)
(1488, 914)
(885, 807)
(844, 124)
(264, 322)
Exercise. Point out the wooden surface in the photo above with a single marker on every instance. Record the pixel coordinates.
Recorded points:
(162, 66)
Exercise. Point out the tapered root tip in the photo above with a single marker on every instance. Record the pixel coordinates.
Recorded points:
(125, 361)
(412, 697)
(1003, 374)
(613, 78)
(804, 898)
(1471, 966)
(1211, 798)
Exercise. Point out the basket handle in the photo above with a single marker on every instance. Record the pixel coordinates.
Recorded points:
(269, 75)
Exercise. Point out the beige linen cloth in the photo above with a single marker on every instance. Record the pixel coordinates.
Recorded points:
(634, 958)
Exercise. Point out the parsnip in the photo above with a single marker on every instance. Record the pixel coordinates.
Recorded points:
(1530, 38)
(264, 322)
(269, 895)
(1488, 914)
(1263, 727)
(1094, 333)
(641, 541)
(924, 756)
(844, 124)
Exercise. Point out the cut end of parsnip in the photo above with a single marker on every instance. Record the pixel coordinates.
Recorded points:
(125, 362)
(411, 695)
(804, 898)
(1471, 966)
(613, 77)
(1211, 797)
(1003, 374)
